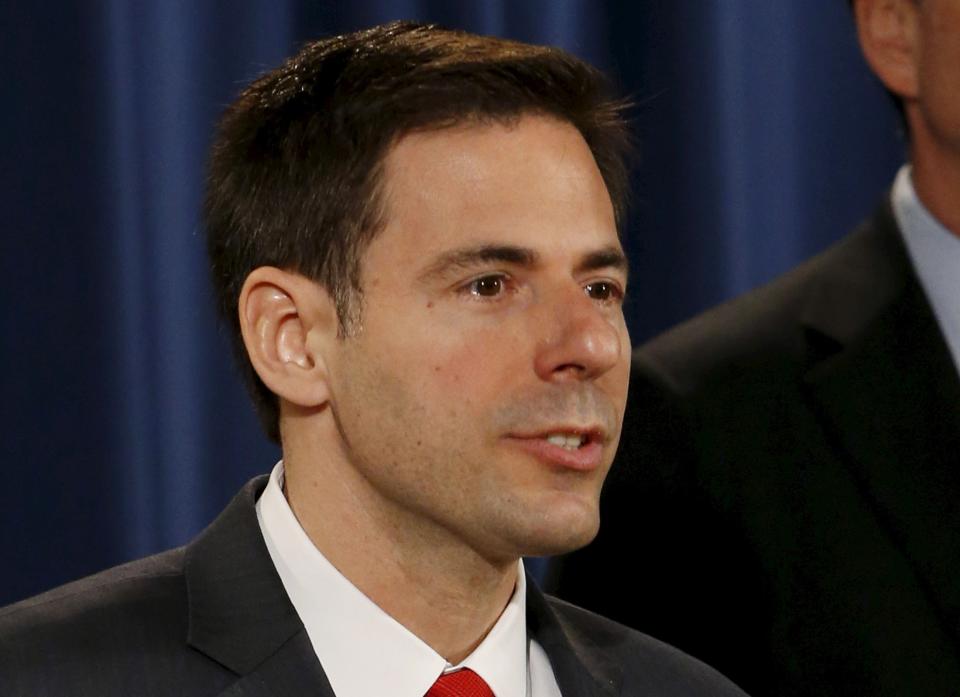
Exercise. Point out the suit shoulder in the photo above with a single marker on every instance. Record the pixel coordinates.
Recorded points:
(120, 611)
(126, 582)
(762, 328)
(650, 666)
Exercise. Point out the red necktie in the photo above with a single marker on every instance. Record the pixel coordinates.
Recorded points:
(462, 683)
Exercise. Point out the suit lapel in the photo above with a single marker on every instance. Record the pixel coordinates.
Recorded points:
(889, 397)
(288, 672)
(240, 615)
(580, 667)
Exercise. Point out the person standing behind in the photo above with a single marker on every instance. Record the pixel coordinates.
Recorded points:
(789, 476)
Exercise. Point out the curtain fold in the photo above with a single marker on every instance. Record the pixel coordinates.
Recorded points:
(762, 139)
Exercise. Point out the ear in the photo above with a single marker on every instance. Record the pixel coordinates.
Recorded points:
(889, 36)
(287, 321)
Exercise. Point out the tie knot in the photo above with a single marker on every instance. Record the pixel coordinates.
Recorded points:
(462, 683)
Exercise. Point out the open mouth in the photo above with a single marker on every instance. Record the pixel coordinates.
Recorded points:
(568, 441)
(568, 448)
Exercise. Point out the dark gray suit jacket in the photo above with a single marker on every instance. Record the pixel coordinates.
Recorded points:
(212, 618)
(790, 468)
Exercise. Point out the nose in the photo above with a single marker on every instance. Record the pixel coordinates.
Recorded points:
(583, 341)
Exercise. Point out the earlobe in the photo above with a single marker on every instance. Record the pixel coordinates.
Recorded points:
(888, 32)
(284, 319)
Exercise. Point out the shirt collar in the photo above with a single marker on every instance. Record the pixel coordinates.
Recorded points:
(362, 649)
(935, 253)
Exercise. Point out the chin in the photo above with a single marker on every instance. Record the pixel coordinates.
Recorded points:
(556, 546)
(556, 533)
(540, 524)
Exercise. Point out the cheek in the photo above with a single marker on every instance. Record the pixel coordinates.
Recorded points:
(477, 365)
(940, 75)
(453, 362)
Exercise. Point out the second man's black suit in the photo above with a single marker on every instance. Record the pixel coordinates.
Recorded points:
(789, 482)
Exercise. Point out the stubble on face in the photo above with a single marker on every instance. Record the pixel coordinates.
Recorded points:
(429, 463)
(427, 388)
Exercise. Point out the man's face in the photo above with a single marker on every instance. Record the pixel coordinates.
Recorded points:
(483, 391)
(938, 70)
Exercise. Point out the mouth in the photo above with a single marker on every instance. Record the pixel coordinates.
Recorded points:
(578, 449)
(567, 440)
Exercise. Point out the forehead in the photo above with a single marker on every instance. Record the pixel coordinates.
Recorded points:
(532, 181)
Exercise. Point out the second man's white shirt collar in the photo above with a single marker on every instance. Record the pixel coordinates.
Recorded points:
(935, 253)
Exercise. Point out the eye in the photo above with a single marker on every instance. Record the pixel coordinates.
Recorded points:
(487, 286)
(604, 291)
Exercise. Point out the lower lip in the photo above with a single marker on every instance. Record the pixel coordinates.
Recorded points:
(585, 458)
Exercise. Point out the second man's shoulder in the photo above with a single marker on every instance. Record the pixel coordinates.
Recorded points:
(767, 331)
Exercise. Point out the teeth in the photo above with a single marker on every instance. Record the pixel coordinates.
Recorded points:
(563, 440)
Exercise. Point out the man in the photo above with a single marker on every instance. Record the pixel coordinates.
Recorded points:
(413, 237)
(797, 449)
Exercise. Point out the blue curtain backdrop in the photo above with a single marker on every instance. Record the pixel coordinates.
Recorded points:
(763, 138)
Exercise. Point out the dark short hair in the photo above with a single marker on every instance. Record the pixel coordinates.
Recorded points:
(295, 169)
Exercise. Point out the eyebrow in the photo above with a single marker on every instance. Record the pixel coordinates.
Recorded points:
(607, 258)
(483, 254)
(468, 257)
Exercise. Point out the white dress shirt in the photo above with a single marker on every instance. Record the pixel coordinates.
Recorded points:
(363, 650)
(935, 253)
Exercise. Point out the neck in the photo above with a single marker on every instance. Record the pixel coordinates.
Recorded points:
(418, 572)
(936, 175)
